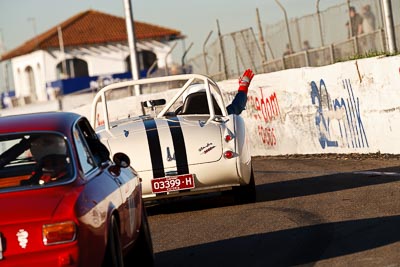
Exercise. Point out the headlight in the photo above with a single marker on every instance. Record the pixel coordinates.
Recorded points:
(58, 233)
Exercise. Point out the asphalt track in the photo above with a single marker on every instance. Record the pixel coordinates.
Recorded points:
(320, 210)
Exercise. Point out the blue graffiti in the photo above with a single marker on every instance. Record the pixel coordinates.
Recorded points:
(351, 127)
(321, 95)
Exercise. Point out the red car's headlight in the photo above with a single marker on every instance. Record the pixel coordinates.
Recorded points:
(58, 233)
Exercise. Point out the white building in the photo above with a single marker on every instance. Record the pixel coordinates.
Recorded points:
(82, 48)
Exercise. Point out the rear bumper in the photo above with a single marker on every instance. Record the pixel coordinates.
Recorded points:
(60, 256)
(191, 192)
(208, 177)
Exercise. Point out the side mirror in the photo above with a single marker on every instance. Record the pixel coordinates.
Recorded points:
(153, 103)
(121, 160)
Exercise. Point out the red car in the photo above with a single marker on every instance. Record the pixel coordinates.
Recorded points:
(63, 201)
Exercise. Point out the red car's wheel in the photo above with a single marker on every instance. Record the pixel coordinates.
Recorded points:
(114, 255)
(143, 248)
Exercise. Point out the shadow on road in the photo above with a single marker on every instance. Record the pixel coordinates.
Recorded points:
(191, 203)
(279, 190)
(322, 184)
(303, 245)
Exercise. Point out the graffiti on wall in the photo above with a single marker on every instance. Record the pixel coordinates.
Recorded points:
(344, 112)
(264, 109)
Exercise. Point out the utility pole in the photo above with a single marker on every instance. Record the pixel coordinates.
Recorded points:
(33, 21)
(4, 64)
(221, 42)
(287, 24)
(261, 37)
(130, 28)
(61, 43)
(320, 24)
(350, 28)
(205, 52)
(389, 26)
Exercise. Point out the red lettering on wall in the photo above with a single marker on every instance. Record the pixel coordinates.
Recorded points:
(264, 109)
(267, 108)
(267, 135)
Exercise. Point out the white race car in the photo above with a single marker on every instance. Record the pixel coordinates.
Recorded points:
(187, 145)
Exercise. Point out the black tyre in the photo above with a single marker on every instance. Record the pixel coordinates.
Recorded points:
(246, 193)
(143, 249)
(114, 256)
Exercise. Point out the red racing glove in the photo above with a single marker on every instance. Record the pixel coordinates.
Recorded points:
(245, 80)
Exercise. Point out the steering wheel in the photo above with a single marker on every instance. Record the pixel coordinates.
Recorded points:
(178, 110)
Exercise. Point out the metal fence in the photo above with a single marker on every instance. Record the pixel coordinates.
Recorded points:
(326, 31)
(229, 55)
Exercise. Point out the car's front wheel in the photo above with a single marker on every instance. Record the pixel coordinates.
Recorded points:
(114, 256)
(143, 248)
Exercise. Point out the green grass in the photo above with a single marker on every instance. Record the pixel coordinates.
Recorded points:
(368, 55)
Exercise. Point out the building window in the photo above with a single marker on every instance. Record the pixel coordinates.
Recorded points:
(72, 68)
(145, 60)
(30, 81)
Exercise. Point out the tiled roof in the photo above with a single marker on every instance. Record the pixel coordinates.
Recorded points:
(92, 27)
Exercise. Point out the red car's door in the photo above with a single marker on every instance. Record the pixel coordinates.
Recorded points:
(130, 189)
(108, 188)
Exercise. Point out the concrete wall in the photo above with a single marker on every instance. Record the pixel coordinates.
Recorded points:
(350, 107)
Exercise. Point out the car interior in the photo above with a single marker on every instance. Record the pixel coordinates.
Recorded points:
(19, 167)
(196, 103)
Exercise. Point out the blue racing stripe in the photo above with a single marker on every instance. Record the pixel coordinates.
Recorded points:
(179, 145)
(154, 148)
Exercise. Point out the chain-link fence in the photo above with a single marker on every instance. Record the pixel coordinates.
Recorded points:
(322, 28)
(326, 32)
(229, 55)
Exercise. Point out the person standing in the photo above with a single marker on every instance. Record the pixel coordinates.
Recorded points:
(306, 45)
(368, 23)
(288, 50)
(356, 22)
(368, 28)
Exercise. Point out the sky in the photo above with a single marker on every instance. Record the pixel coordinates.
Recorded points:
(20, 20)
